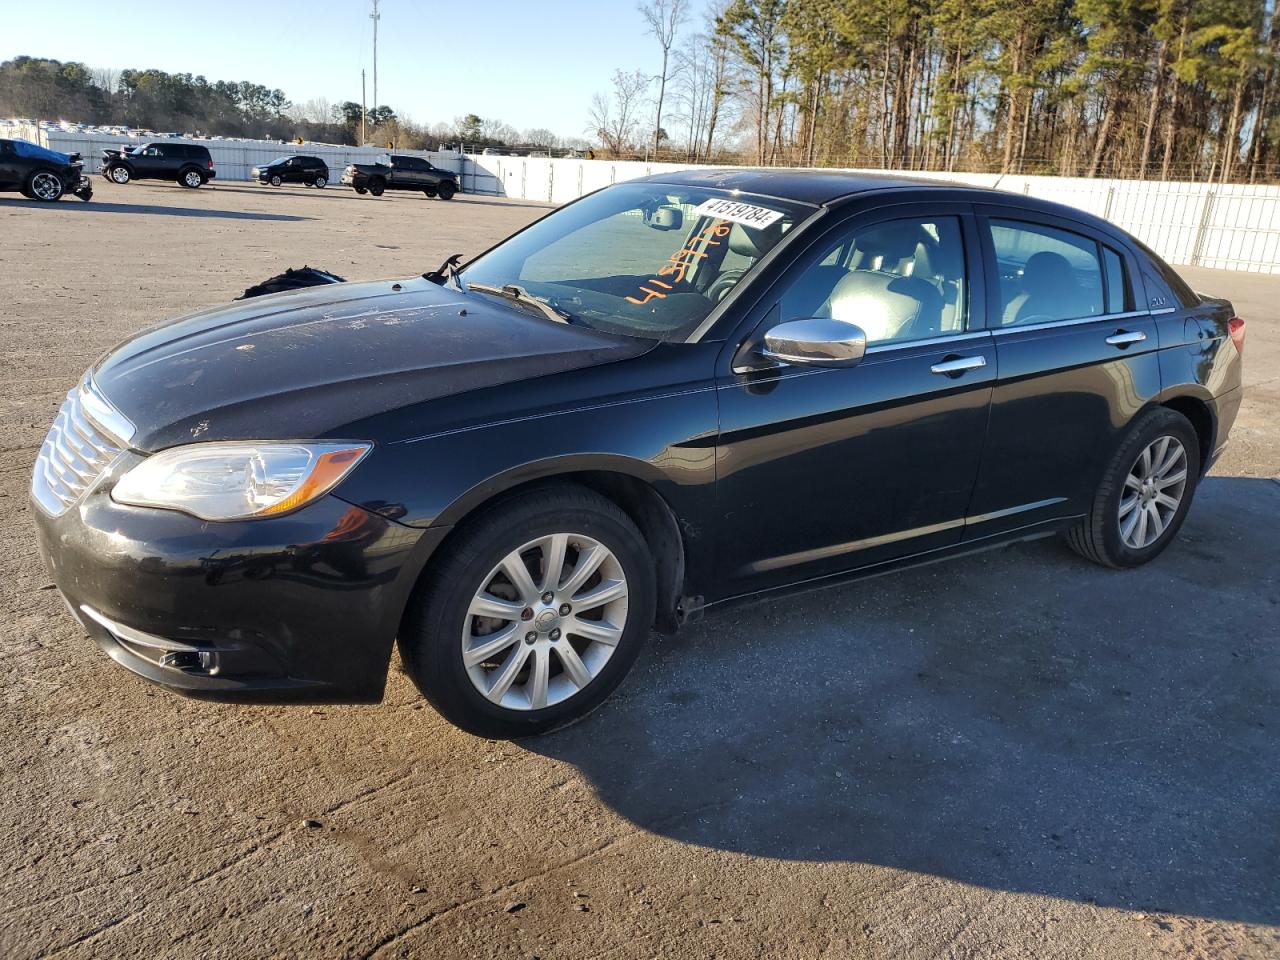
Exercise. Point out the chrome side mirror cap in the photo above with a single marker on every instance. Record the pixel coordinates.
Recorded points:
(817, 341)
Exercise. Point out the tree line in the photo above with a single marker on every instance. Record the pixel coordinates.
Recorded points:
(1169, 89)
(45, 89)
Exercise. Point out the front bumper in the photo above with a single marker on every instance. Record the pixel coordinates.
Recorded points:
(305, 604)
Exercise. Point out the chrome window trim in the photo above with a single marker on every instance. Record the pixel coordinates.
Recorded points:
(888, 346)
(1050, 324)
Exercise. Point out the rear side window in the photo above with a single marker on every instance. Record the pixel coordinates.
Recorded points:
(1046, 274)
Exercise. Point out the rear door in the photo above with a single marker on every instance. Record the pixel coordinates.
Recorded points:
(1078, 358)
(823, 470)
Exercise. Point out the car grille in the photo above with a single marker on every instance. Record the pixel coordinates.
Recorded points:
(75, 453)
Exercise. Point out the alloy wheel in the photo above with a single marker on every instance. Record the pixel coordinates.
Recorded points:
(46, 186)
(119, 174)
(1153, 491)
(192, 179)
(545, 621)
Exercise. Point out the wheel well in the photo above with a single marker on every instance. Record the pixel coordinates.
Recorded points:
(1197, 411)
(638, 500)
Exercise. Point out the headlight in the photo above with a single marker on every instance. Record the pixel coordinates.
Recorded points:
(238, 481)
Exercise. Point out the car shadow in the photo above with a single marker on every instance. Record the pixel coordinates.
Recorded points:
(1019, 720)
(94, 206)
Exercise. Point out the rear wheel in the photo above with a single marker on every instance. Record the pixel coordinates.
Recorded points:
(192, 178)
(533, 615)
(376, 187)
(1144, 495)
(319, 182)
(44, 185)
(446, 190)
(119, 174)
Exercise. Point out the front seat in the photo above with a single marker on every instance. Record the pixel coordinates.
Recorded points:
(887, 306)
(1049, 291)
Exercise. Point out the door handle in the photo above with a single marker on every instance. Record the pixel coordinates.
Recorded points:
(958, 365)
(1122, 338)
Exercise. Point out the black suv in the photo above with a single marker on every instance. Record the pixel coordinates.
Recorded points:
(312, 171)
(41, 174)
(186, 163)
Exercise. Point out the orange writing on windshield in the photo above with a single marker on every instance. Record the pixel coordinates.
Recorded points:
(676, 266)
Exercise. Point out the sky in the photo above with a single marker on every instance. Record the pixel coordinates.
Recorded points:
(529, 63)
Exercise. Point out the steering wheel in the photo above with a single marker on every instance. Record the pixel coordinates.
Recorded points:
(723, 284)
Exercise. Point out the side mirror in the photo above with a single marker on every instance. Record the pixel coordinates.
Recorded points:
(665, 218)
(817, 341)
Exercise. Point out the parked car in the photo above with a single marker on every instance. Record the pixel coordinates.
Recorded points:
(312, 171)
(668, 396)
(401, 173)
(41, 174)
(187, 164)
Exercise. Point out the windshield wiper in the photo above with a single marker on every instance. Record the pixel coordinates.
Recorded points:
(518, 294)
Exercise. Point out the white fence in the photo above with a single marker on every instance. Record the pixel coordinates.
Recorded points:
(232, 159)
(1231, 227)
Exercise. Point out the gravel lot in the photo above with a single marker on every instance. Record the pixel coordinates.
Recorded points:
(1011, 755)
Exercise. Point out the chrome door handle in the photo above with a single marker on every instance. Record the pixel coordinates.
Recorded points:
(958, 365)
(1122, 338)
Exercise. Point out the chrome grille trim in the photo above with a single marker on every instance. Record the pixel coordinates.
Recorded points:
(78, 449)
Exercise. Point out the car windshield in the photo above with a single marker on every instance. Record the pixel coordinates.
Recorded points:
(277, 161)
(642, 259)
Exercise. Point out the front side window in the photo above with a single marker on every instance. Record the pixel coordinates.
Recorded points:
(1046, 274)
(899, 281)
(642, 259)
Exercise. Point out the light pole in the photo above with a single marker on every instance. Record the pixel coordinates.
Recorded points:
(375, 18)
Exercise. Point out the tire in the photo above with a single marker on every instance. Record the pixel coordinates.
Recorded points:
(440, 621)
(191, 178)
(1108, 537)
(277, 180)
(44, 185)
(320, 183)
(377, 186)
(119, 174)
(446, 190)
(430, 192)
(362, 190)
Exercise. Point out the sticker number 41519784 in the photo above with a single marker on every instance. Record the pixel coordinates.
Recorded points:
(747, 214)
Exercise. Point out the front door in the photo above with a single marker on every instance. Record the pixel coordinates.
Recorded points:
(823, 470)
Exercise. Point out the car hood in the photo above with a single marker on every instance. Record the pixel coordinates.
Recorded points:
(302, 365)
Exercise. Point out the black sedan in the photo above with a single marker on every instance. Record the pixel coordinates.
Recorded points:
(670, 395)
(42, 174)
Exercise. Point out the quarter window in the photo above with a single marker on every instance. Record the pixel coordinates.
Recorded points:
(1118, 299)
(1046, 274)
(901, 280)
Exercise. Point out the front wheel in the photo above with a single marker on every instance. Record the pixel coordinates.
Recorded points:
(1144, 495)
(119, 175)
(533, 615)
(44, 185)
(446, 190)
(362, 190)
(191, 179)
(276, 180)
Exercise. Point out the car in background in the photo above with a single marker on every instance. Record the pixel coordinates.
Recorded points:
(42, 174)
(187, 164)
(673, 394)
(401, 173)
(312, 171)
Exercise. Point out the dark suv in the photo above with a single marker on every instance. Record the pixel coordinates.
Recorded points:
(312, 171)
(186, 163)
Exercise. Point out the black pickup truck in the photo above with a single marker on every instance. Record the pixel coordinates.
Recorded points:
(402, 173)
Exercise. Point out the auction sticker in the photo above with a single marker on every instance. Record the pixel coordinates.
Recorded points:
(744, 213)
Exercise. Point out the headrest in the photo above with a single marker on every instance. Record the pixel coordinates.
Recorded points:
(753, 243)
(1047, 274)
(893, 241)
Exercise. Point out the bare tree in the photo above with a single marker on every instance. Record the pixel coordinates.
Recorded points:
(664, 18)
(613, 116)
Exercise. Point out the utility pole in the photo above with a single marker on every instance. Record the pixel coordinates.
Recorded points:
(375, 18)
(364, 110)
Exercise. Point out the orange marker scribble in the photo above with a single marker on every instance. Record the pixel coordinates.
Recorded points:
(677, 265)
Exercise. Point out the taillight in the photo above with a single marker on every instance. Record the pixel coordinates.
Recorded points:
(211, 164)
(1235, 330)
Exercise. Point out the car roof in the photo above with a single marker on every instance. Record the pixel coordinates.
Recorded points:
(824, 187)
